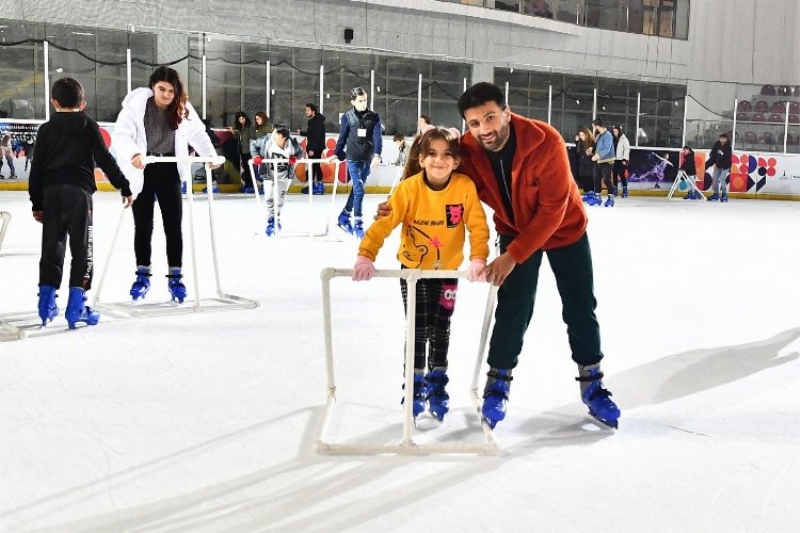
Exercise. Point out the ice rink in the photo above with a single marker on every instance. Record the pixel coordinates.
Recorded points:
(206, 421)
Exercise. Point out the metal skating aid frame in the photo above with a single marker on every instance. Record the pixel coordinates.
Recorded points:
(330, 219)
(682, 176)
(5, 220)
(221, 301)
(407, 446)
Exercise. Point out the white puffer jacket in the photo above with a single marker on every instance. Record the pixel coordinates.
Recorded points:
(129, 137)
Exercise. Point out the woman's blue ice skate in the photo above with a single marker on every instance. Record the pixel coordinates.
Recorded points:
(596, 397)
(176, 287)
(420, 392)
(142, 284)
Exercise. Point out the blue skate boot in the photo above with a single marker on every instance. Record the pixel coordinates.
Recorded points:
(624, 191)
(358, 228)
(691, 195)
(270, 231)
(78, 311)
(724, 197)
(420, 393)
(587, 196)
(176, 287)
(609, 201)
(318, 188)
(614, 192)
(595, 199)
(142, 284)
(595, 395)
(48, 309)
(438, 399)
(344, 222)
(495, 396)
(713, 198)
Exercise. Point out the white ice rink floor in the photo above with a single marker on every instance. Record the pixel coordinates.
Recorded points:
(206, 421)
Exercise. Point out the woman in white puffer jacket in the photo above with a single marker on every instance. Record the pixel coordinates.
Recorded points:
(158, 121)
(621, 159)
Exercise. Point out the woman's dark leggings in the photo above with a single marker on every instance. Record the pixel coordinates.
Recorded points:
(163, 183)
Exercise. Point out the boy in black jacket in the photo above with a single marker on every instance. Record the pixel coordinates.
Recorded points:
(720, 156)
(61, 186)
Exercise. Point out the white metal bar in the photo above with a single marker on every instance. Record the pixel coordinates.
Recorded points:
(407, 445)
(419, 95)
(733, 133)
(269, 88)
(5, 220)
(101, 284)
(205, 95)
(128, 67)
(638, 114)
(786, 127)
(594, 105)
(46, 80)
(550, 104)
(321, 87)
(685, 107)
(371, 100)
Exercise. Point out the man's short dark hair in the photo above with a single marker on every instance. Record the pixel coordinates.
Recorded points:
(68, 93)
(724, 136)
(313, 107)
(356, 92)
(426, 118)
(598, 122)
(283, 130)
(479, 94)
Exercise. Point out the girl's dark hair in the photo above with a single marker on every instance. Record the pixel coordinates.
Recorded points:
(313, 107)
(176, 110)
(237, 124)
(399, 137)
(264, 118)
(589, 137)
(421, 145)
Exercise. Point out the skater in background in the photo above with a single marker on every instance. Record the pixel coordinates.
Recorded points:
(688, 165)
(604, 161)
(423, 123)
(436, 206)
(585, 148)
(61, 186)
(279, 145)
(158, 120)
(505, 153)
(402, 155)
(243, 132)
(7, 153)
(315, 146)
(360, 134)
(720, 156)
(622, 149)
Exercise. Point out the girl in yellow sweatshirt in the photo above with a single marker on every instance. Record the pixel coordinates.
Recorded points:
(436, 206)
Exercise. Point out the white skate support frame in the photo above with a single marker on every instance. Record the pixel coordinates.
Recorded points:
(5, 220)
(221, 301)
(262, 202)
(407, 446)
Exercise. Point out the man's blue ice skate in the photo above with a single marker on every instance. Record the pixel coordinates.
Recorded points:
(344, 223)
(587, 196)
(420, 392)
(624, 192)
(713, 198)
(495, 396)
(596, 397)
(142, 284)
(609, 201)
(48, 309)
(176, 287)
(724, 198)
(438, 399)
(358, 229)
(595, 199)
(691, 195)
(78, 311)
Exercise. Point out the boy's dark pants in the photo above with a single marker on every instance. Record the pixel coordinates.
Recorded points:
(572, 266)
(161, 182)
(67, 212)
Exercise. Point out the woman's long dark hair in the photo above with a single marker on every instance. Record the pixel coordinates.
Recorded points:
(176, 110)
(238, 125)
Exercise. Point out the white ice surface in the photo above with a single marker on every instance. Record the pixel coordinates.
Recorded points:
(206, 421)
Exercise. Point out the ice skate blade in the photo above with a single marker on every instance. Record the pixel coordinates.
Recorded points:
(613, 424)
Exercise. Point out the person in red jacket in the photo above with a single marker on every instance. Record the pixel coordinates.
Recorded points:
(521, 170)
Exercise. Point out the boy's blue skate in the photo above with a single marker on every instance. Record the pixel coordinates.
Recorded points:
(624, 192)
(344, 223)
(420, 392)
(609, 201)
(438, 399)
(594, 199)
(78, 311)
(495, 396)
(596, 397)
(142, 284)
(588, 196)
(358, 229)
(176, 287)
(270, 231)
(48, 309)
(692, 195)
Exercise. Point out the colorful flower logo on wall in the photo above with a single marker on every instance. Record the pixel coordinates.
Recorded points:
(749, 171)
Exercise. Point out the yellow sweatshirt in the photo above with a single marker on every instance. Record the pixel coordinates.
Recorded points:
(434, 224)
